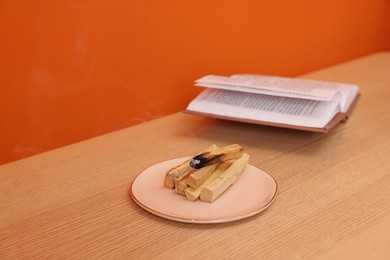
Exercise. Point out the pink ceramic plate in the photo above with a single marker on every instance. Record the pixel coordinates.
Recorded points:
(252, 193)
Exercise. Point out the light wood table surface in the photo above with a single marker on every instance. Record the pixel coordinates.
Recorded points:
(333, 199)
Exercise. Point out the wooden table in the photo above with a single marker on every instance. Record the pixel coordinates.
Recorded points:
(333, 199)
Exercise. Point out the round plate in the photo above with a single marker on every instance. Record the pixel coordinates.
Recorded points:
(252, 193)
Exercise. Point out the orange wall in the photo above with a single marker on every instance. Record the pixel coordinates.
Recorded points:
(73, 69)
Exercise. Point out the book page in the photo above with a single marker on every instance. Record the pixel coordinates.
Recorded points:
(300, 112)
(276, 86)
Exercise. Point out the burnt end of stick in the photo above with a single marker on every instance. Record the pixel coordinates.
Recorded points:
(197, 162)
(202, 160)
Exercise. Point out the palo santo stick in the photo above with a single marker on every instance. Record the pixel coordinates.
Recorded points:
(196, 178)
(223, 154)
(212, 191)
(182, 184)
(178, 171)
(193, 194)
(230, 152)
(199, 176)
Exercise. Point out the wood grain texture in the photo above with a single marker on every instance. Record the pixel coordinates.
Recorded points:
(332, 203)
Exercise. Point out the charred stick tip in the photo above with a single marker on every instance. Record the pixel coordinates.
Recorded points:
(197, 162)
(201, 161)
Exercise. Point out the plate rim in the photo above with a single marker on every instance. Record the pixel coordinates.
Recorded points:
(200, 220)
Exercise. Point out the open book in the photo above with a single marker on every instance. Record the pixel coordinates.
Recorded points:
(277, 101)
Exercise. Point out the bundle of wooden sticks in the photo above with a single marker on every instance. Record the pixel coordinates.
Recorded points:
(208, 174)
